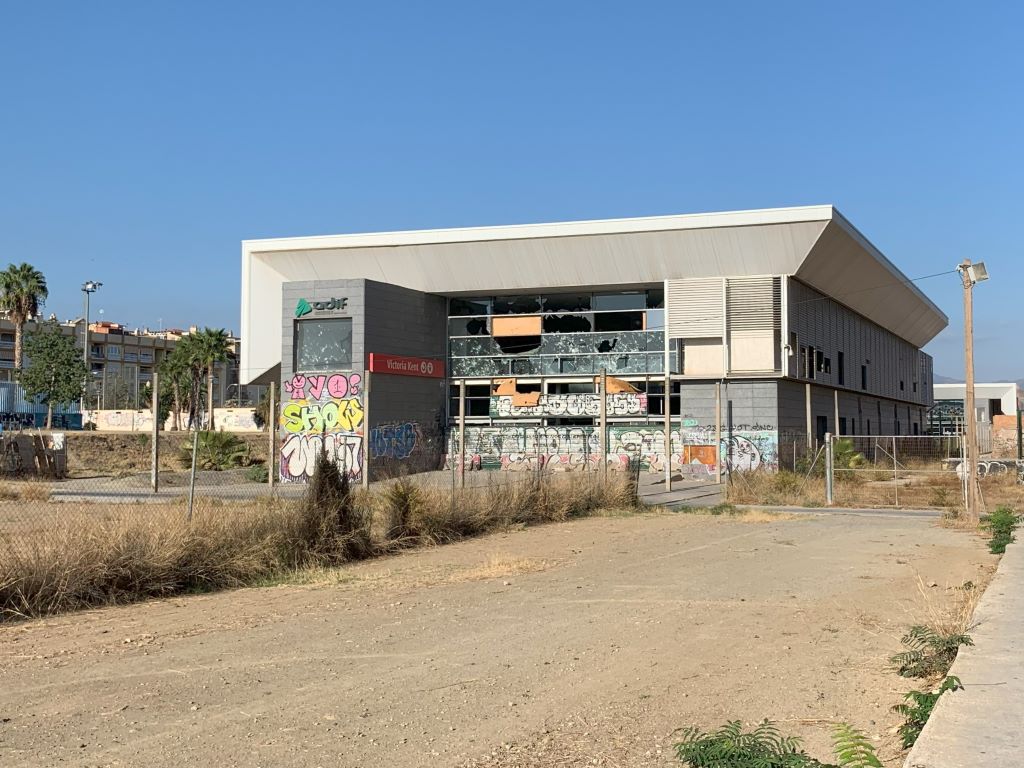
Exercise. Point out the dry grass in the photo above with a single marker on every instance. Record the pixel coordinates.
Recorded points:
(81, 561)
(949, 611)
(34, 491)
(871, 488)
(500, 567)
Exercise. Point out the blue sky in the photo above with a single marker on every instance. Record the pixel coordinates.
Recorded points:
(140, 142)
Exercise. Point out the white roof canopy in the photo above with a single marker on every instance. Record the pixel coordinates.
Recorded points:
(815, 244)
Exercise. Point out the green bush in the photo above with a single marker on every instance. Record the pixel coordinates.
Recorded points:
(403, 506)
(336, 529)
(928, 653)
(1002, 523)
(917, 712)
(217, 451)
(258, 473)
(765, 747)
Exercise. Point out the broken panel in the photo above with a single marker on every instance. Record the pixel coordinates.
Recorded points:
(568, 323)
(516, 305)
(619, 321)
(468, 326)
(566, 302)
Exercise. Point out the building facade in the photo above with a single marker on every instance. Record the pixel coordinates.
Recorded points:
(775, 326)
(121, 363)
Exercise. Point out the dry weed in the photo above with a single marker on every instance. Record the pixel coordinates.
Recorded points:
(501, 566)
(83, 558)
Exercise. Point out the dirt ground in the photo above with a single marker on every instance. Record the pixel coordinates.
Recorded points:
(584, 643)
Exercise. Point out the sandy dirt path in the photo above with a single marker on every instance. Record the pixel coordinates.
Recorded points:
(583, 643)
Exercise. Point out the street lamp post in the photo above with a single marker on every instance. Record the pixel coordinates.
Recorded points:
(88, 287)
(970, 274)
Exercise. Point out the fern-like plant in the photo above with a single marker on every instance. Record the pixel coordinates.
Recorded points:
(928, 654)
(730, 747)
(765, 747)
(919, 709)
(852, 748)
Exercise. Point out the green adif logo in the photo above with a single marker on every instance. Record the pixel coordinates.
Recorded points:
(304, 307)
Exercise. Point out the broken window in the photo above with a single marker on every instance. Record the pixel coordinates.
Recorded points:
(566, 302)
(619, 321)
(469, 307)
(819, 360)
(323, 345)
(467, 326)
(656, 298)
(516, 305)
(518, 345)
(620, 301)
(568, 323)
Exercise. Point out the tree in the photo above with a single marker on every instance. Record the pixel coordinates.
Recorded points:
(56, 373)
(176, 374)
(22, 293)
(211, 346)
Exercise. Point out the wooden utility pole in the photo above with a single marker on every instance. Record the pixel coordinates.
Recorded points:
(970, 414)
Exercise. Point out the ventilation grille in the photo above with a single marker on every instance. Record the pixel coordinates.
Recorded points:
(754, 304)
(695, 307)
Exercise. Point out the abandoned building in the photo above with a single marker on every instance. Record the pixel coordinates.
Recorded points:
(771, 328)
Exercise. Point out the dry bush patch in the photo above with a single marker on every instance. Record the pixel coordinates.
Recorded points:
(94, 557)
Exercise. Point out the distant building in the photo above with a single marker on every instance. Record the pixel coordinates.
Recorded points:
(996, 406)
(121, 365)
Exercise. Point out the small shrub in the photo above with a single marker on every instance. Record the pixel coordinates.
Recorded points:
(258, 473)
(335, 529)
(403, 510)
(929, 654)
(845, 456)
(724, 509)
(919, 709)
(216, 451)
(765, 747)
(1002, 523)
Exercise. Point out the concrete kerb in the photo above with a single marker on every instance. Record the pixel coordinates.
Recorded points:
(981, 724)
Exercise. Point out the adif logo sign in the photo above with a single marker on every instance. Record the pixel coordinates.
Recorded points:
(303, 307)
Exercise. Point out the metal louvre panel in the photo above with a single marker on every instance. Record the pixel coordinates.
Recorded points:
(753, 304)
(754, 323)
(695, 308)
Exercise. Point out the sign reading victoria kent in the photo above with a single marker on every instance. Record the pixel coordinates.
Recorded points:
(403, 365)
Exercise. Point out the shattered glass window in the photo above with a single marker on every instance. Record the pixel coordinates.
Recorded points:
(323, 345)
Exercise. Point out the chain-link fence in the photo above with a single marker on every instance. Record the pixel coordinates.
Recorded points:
(914, 471)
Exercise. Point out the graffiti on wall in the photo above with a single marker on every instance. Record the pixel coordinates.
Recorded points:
(993, 467)
(394, 441)
(321, 410)
(693, 451)
(583, 405)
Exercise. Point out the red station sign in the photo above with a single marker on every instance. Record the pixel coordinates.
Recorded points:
(402, 365)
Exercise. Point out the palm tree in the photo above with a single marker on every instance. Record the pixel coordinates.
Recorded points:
(22, 293)
(211, 346)
(176, 370)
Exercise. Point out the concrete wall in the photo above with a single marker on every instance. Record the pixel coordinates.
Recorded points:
(407, 413)
(403, 432)
(896, 369)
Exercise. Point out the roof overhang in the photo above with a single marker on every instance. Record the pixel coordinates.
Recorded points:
(613, 252)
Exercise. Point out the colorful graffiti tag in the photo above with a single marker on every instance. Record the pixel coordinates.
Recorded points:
(589, 405)
(322, 410)
(693, 450)
(394, 441)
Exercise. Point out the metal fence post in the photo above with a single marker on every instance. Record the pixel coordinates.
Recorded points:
(603, 420)
(829, 470)
(272, 436)
(895, 473)
(668, 431)
(366, 429)
(462, 433)
(718, 434)
(155, 453)
(192, 475)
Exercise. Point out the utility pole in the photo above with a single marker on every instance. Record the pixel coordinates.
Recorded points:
(970, 274)
(88, 287)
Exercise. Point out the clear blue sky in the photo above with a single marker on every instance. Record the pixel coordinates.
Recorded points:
(140, 142)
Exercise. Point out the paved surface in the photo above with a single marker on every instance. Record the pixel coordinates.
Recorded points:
(981, 724)
(574, 644)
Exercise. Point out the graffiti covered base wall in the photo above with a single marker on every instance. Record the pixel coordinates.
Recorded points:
(693, 449)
